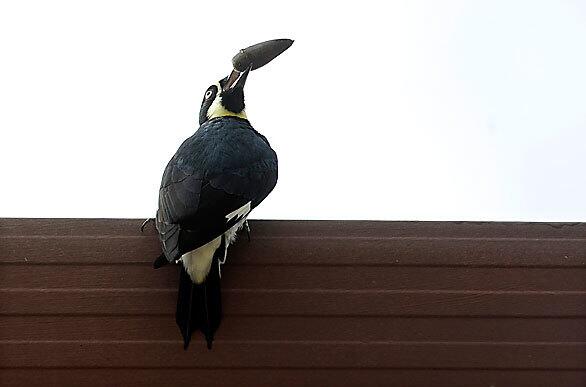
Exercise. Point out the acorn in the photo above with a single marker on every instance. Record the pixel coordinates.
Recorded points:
(260, 54)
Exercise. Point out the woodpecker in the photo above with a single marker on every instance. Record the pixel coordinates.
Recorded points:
(209, 187)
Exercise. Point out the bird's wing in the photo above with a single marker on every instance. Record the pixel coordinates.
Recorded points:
(207, 180)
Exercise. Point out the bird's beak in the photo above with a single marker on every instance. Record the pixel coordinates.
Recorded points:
(236, 79)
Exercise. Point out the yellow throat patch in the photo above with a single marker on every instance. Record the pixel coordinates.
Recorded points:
(218, 110)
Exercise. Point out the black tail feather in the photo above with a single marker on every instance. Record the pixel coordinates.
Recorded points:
(184, 313)
(199, 306)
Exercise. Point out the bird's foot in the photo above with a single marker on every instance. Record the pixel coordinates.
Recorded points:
(145, 223)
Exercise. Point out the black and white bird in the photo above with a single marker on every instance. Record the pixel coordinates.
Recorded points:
(216, 177)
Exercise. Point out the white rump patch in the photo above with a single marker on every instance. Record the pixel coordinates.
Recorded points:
(198, 262)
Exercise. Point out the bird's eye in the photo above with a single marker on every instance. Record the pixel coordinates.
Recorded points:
(208, 94)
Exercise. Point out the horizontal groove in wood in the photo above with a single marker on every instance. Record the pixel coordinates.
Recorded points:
(299, 302)
(298, 328)
(419, 251)
(300, 228)
(102, 249)
(292, 277)
(307, 355)
(290, 378)
(69, 226)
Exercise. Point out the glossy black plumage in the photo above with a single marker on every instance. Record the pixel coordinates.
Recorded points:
(224, 165)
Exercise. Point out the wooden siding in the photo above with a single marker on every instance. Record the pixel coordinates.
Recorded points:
(306, 303)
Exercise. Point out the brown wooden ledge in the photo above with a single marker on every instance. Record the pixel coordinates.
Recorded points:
(321, 303)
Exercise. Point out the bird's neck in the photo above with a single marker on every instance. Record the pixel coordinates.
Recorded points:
(221, 111)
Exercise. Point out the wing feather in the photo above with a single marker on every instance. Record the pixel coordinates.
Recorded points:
(224, 165)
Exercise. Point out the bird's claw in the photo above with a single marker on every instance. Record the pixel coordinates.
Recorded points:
(144, 224)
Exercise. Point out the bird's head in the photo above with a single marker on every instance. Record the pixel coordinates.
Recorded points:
(225, 98)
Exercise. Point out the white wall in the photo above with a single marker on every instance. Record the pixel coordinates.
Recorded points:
(419, 110)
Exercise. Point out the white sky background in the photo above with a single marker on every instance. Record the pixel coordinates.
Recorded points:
(398, 110)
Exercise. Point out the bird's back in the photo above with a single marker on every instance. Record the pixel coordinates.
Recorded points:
(225, 164)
